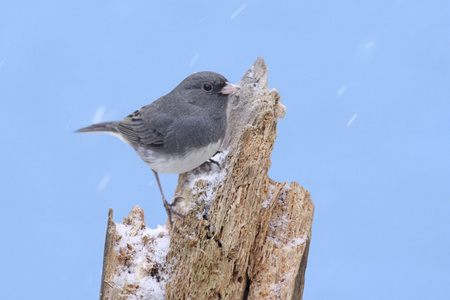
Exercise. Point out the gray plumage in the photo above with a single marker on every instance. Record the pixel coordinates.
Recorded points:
(179, 131)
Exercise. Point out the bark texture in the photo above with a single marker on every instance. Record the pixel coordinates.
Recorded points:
(245, 236)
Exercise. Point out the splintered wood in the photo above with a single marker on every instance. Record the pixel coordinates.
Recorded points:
(244, 236)
(135, 266)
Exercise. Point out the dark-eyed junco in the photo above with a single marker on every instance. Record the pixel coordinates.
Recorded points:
(179, 131)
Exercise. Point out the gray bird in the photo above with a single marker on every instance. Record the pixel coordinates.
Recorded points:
(179, 131)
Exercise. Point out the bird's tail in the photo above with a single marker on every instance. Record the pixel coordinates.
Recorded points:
(106, 127)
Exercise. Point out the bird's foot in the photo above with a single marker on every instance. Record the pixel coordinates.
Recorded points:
(170, 209)
(211, 161)
(176, 200)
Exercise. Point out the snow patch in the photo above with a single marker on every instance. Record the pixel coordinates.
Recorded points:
(212, 178)
(278, 224)
(276, 287)
(269, 198)
(146, 268)
(279, 239)
(296, 241)
(283, 194)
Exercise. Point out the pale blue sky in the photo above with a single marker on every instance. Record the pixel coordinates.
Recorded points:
(367, 131)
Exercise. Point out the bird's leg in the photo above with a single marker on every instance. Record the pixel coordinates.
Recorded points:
(168, 207)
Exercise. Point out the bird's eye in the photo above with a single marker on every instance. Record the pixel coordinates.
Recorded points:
(207, 87)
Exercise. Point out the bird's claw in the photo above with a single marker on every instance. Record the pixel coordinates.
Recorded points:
(176, 200)
(213, 161)
(171, 210)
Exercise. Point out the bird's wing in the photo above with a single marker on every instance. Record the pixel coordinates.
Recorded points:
(139, 129)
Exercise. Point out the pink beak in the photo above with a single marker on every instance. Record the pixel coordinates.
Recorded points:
(229, 89)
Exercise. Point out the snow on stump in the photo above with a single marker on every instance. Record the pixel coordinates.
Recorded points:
(244, 236)
(134, 265)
